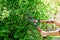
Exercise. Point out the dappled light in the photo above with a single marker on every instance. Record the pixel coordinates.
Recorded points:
(27, 19)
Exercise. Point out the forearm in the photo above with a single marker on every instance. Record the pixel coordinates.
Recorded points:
(57, 23)
(54, 21)
(53, 33)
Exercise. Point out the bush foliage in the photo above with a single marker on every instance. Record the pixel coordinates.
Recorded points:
(13, 23)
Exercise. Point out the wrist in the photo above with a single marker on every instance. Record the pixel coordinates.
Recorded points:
(54, 21)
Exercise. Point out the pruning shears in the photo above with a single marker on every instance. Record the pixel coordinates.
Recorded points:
(35, 24)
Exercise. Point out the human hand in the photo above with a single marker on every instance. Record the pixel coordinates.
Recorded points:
(50, 21)
(43, 33)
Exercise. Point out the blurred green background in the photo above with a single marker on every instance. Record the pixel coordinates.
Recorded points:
(13, 13)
